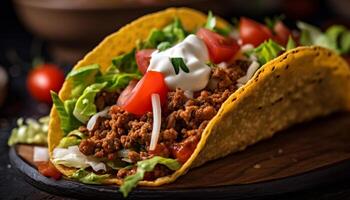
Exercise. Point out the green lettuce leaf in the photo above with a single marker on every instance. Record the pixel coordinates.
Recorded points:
(211, 25)
(267, 51)
(82, 77)
(336, 37)
(69, 141)
(146, 166)
(65, 112)
(339, 38)
(116, 81)
(89, 177)
(73, 138)
(30, 131)
(164, 38)
(125, 63)
(85, 106)
(211, 21)
(291, 44)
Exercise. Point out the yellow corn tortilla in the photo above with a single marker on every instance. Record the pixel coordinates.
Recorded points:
(299, 85)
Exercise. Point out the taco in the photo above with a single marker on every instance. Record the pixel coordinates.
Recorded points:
(175, 89)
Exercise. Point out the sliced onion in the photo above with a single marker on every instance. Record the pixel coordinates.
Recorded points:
(41, 154)
(188, 94)
(247, 47)
(72, 157)
(92, 121)
(222, 65)
(123, 153)
(157, 117)
(253, 67)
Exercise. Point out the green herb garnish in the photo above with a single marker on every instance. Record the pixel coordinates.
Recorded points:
(178, 63)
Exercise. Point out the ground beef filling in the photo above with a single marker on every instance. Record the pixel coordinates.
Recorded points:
(183, 121)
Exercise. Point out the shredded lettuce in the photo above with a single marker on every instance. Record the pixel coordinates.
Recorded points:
(116, 81)
(211, 25)
(146, 166)
(211, 21)
(73, 138)
(117, 164)
(82, 77)
(126, 62)
(65, 113)
(266, 51)
(85, 106)
(336, 37)
(291, 43)
(339, 38)
(72, 157)
(30, 131)
(82, 72)
(164, 38)
(89, 177)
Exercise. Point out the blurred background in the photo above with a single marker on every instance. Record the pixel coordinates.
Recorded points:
(60, 32)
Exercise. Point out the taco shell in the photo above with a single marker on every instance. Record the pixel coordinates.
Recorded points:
(299, 85)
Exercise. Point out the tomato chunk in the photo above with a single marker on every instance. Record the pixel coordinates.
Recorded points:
(143, 58)
(252, 32)
(220, 48)
(49, 170)
(139, 101)
(183, 151)
(282, 33)
(160, 150)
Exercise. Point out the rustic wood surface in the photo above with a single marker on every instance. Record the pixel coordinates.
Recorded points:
(302, 149)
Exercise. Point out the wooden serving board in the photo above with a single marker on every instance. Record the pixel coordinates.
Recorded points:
(303, 156)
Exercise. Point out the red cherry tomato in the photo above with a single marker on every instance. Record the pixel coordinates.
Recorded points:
(139, 101)
(44, 78)
(220, 48)
(252, 32)
(282, 33)
(143, 58)
(49, 170)
(183, 151)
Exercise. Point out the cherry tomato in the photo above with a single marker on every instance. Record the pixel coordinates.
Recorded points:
(252, 32)
(220, 48)
(49, 170)
(183, 151)
(139, 101)
(143, 58)
(282, 33)
(44, 78)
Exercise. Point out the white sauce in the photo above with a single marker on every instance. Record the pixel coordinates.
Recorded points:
(195, 55)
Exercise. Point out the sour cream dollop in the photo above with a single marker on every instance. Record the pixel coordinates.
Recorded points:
(194, 54)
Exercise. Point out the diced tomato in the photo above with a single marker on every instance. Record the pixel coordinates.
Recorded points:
(183, 151)
(126, 93)
(143, 58)
(139, 101)
(160, 150)
(220, 48)
(49, 170)
(282, 33)
(252, 32)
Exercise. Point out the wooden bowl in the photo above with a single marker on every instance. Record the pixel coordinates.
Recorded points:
(72, 28)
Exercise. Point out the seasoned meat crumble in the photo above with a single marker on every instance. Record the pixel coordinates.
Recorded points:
(183, 121)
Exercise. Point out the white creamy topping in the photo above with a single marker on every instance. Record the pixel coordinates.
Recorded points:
(194, 54)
